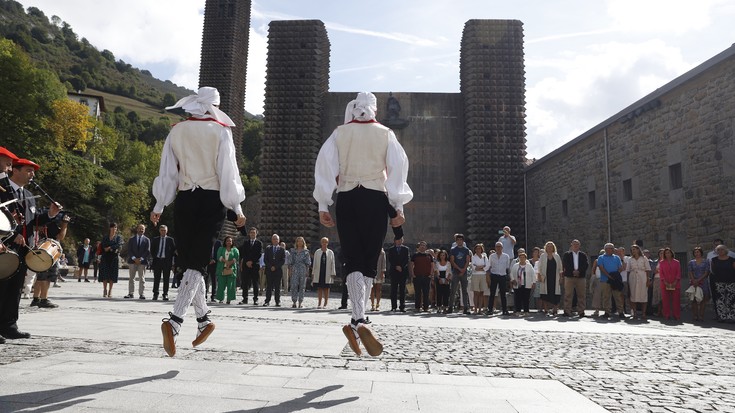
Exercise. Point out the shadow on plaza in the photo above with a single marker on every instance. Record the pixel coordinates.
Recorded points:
(308, 400)
(64, 398)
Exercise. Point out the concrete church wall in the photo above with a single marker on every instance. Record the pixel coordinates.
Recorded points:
(687, 123)
(436, 172)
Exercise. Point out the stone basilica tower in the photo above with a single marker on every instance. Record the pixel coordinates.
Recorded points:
(224, 57)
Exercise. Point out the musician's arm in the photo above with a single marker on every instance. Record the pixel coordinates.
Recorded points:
(165, 185)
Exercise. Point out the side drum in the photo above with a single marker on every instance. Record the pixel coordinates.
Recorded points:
(43, 257)
(9, 262)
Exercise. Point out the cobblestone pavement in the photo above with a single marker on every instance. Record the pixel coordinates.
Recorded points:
(685, 368)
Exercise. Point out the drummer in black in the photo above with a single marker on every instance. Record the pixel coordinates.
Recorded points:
(22, 171)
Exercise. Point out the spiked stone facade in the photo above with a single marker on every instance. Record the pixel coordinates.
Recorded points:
(296, 87)
(224, 57)
(492, 87)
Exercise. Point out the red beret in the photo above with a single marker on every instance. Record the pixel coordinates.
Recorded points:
(18, 163)
(5, 152)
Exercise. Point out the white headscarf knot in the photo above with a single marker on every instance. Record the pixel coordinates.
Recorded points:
(202, 103)
(363, 108)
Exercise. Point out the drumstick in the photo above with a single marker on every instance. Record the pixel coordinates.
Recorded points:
(15, 200)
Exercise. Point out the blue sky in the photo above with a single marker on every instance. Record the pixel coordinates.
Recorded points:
(585, 60)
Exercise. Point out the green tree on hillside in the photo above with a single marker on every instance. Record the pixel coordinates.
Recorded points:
(26, 96)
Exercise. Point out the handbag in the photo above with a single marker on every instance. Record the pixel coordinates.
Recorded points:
(227, 271)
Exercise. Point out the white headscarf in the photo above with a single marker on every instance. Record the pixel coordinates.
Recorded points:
(202, 103)
(363, 108)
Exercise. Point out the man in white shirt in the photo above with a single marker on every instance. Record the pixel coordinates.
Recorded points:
(199, 173)
(363, 161)
(497, 276)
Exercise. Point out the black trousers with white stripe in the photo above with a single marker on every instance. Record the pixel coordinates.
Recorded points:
(198, 219)
(362, 222)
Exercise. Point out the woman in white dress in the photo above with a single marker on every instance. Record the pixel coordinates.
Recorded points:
(639, 269)
(480, 264)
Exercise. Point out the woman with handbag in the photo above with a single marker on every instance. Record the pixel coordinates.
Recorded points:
(698, 278)
(670, 271)
(227, 259)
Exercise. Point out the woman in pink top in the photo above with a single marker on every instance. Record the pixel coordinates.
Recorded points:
(670, 271)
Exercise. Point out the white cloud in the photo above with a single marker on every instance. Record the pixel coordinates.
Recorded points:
(139, 31)
(661, 16)
(591, 86)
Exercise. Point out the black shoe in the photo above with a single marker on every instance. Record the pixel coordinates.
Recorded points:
(344, 307)
(244, 301)
(466, 312)
(86, 280)
(266, 304)
(403, 310)
(155, 297)
(45, 303)
(13, 333)
(367, 321)
(506, 313)
(278, 304)
(566, 315)
(35, 302)
(621, 316)
(142, 297)
(165, 297)
(255, 302)
(2, 340)
(129, 296)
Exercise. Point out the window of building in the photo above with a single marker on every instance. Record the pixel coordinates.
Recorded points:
(675, 181)
(543, 215)
(84, 101)
(564, 208)
(591, 200)
(627, 190)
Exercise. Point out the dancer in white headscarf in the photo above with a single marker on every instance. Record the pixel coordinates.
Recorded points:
(199, 173)
(363, 161)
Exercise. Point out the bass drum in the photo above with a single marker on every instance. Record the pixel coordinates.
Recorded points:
(44, 256)
(7, 223)
(9, 262)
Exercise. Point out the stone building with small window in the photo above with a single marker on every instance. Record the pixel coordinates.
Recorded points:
(96, 103)
(661, 171)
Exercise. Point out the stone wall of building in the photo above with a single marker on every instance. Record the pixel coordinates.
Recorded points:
(670, 166)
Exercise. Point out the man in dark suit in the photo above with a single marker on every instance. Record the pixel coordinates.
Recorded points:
(23, 172)
(139, 253)
(398, 258)
(575, 265)
(210, 280)
(274, 258)
(163, 248)
(250, 252)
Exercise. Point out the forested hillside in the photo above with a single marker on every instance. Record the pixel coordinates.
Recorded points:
(100, 170)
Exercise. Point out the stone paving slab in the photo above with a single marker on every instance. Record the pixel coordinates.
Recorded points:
(283, 359)
(115, 383)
